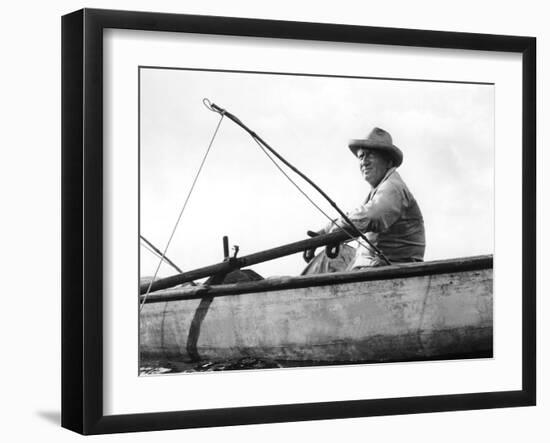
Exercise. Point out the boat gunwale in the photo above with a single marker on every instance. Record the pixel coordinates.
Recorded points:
(405, 270)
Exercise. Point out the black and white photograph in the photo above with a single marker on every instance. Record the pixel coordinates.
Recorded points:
(297, 218)
(294, 220)
(291, 221)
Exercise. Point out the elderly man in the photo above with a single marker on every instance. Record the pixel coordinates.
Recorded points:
(389, 217)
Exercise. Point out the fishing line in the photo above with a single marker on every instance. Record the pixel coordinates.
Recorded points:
(182, 209)
(292, 181)
(308, 197)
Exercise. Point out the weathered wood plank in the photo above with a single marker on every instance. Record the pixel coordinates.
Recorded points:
(295, 282)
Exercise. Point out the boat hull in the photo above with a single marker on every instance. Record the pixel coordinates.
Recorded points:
(349, 317)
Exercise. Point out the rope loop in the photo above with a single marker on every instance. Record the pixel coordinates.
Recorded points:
(208, 104)
(213, 107)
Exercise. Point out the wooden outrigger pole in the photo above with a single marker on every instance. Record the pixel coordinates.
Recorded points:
(236, 263)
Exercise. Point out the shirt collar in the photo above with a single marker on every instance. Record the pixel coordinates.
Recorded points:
(389, 172)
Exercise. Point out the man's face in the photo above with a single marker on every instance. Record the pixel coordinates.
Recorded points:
(373, 165)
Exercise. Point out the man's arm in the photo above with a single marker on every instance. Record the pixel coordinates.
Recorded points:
(378, 214)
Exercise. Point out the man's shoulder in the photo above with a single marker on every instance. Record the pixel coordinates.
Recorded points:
(396, 185)
(394, 180)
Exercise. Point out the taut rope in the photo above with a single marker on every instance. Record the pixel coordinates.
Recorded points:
(182, 209)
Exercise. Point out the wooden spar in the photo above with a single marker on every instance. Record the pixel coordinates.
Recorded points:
(247, 260)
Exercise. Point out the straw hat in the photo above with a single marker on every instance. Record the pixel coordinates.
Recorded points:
(381, 140)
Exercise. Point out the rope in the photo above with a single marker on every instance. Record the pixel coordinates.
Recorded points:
(182, 209)
(301, 174)
(292, 181)
(309, 198)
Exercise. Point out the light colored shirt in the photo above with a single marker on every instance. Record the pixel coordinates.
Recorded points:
(391, 219)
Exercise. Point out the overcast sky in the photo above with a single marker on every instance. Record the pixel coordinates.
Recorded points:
(445, 130)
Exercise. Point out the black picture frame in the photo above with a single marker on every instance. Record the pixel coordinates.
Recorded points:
(82, 220)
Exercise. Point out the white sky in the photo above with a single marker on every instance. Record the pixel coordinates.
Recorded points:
(445, 130)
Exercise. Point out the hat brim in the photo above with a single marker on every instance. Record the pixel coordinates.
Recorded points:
(394, 152)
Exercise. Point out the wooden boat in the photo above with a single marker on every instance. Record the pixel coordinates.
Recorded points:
(417, 311)
(431, 310)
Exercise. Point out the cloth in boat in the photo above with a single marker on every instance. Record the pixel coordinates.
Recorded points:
(323, 264)
(392, 221)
